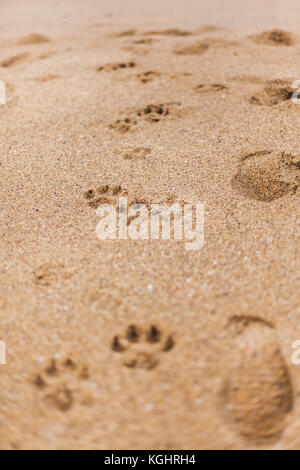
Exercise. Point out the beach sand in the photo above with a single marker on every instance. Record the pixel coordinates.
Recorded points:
(128, 344)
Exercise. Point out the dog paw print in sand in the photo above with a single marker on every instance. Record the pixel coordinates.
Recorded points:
(257, 394)
(123, 125)
(49, 273)
(154, 112)
(275, 37)
(172, 32)
(142, 348)
(104, 194)
(267, 175)
(151, 113)
(200, 47)
(136, 153)
(114, 66)
(61, 384)
(148, 76)
(273, 93)
(211, 87)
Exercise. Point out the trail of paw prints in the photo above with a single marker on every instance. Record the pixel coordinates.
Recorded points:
(267, 175)
(257, 394)
(61, 384)
(104, 194)
(273, 93)
(151, 113)
(274, 37)
(142, 349)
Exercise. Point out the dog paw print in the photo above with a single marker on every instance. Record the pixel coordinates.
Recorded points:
(211, 87)
(60, 384)
(123, 125)
(154, 112)
(114, 66)
(142, 348)
(137, 153)
(151, 113)
(274, 92)
(146, 77)
(104, 194)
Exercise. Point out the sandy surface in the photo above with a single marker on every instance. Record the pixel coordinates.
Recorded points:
(203, 352)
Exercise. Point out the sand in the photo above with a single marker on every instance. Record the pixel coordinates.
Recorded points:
(143, 344)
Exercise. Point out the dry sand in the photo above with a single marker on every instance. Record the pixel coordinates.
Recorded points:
(135, 344)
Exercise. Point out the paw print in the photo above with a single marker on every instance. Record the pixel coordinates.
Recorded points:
(151, 113)
(114, 66)
(146, 77)
(60, 384)
(123, 125)
(104, 194)
(142, 348)
(136, 153)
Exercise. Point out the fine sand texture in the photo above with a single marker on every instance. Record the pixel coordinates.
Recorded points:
(142, 344)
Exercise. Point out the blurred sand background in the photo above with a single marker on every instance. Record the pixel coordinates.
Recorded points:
(135, 344)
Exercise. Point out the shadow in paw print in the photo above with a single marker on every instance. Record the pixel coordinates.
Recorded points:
(142, 348)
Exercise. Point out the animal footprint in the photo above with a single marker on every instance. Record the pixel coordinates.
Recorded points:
(211, 87)
(47, 78)
(142, 349)
(267, 175)
(123, 125)
(275, 37)
(273, 93)
(60, 384)
(151, 113)
(104, 194)
(258, 392)
(146, 77)
(168, 32)
(199, 47)
(138, 153)
(112, 67)
(48, 273)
